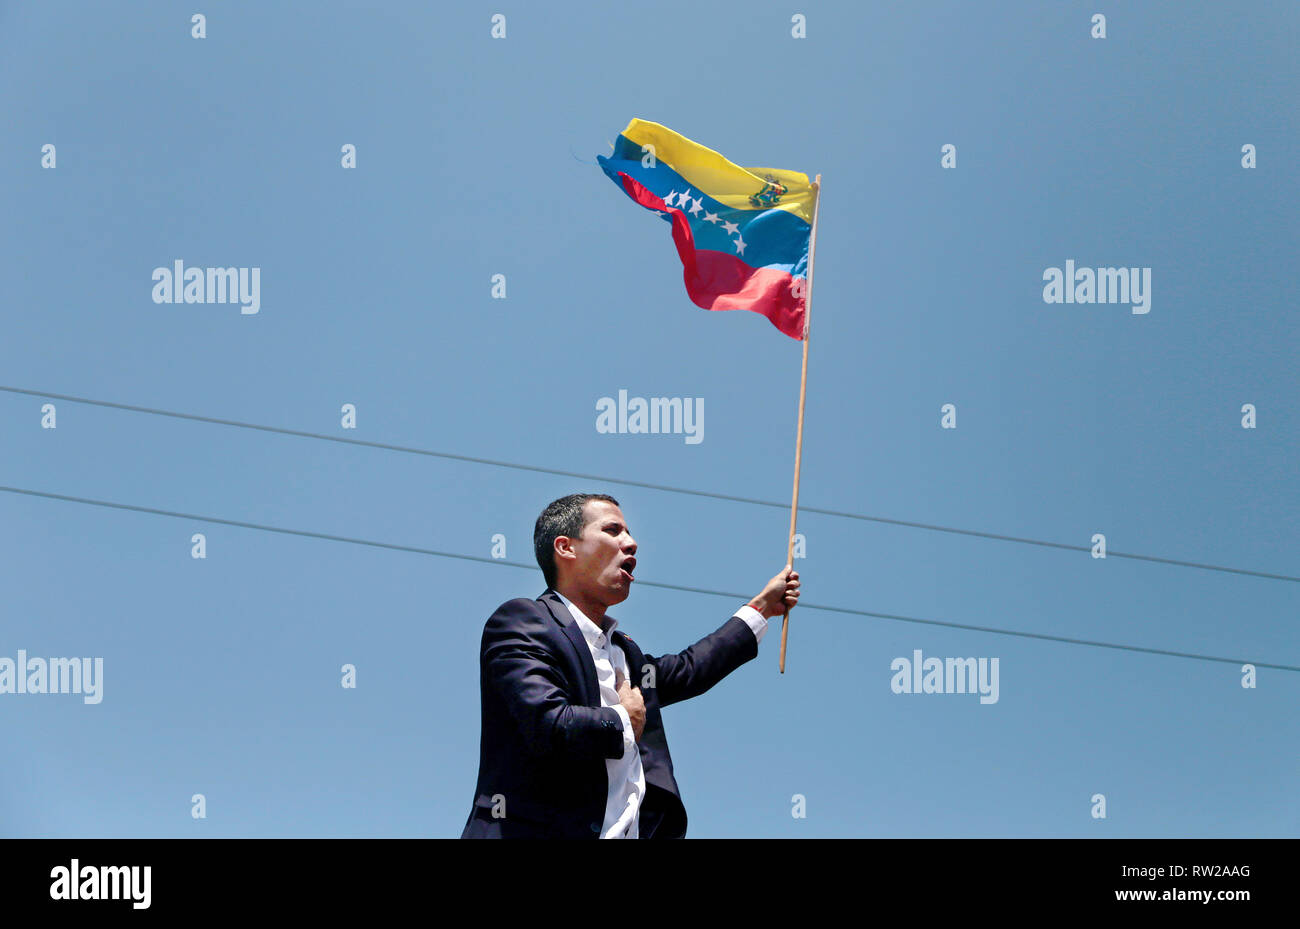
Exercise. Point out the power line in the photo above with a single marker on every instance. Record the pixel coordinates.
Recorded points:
(699, 590)
(649, 486)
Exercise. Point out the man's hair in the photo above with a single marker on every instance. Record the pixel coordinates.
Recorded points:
(563, 517)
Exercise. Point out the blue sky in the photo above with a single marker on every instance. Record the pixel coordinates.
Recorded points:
(477, 157)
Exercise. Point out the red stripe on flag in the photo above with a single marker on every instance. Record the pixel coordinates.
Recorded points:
(718, 281)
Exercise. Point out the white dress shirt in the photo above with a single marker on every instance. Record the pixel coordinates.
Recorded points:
(625, 775)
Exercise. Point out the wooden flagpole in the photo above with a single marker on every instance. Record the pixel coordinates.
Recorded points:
(803, 386)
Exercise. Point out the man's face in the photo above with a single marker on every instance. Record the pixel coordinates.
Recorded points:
(598, 563)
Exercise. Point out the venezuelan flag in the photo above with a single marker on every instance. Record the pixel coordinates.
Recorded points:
(742, 233)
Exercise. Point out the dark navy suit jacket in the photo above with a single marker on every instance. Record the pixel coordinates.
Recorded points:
(545, 735)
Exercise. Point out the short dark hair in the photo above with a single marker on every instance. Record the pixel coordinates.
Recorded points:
(562, 517)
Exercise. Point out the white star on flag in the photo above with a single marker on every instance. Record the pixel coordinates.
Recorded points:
(711, 217)
(730, 227)
(669, 198)
(740, 245)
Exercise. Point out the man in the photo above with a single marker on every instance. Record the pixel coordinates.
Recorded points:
(572, 744)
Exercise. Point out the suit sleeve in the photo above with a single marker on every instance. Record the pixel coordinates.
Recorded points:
(524, 672)
(691, 672)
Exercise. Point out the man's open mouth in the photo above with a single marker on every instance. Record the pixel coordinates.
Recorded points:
(628, 567)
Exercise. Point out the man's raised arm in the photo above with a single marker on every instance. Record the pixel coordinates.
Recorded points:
(691, 672)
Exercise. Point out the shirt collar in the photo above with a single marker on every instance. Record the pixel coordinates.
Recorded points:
(589, 629)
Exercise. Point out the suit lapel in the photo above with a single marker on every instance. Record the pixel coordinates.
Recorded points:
(582, 651)
(635, 660)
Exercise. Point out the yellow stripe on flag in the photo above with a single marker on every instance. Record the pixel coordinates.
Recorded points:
(717, 177)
